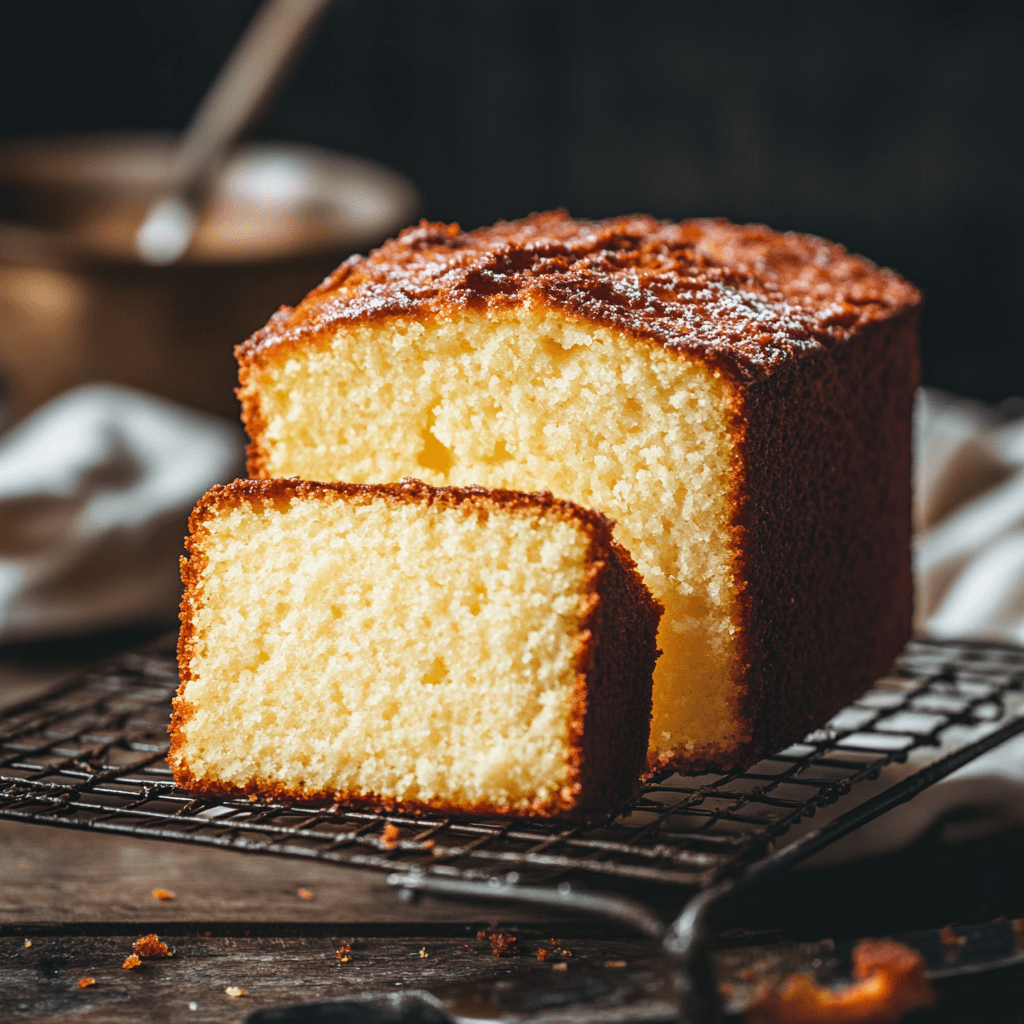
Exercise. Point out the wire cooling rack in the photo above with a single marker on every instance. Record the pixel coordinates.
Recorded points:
(90, 755)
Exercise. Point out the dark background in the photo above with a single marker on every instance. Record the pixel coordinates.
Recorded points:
(893, 127)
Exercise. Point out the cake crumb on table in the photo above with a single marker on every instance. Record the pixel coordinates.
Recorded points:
(28, 943)
(304, 894)
(389, 837)
(423, 953)
(150, 945)
(163, 894)
(130, 962)
(889, 982)
(502, 944)
(86, 982)
(543, 954)
(234, 991)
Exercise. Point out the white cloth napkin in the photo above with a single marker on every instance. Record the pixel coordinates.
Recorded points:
(95, 492)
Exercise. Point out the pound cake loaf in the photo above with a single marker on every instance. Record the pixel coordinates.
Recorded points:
(409, 647)
(737, 399)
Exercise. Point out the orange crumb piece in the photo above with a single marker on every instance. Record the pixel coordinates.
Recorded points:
(345, 947)
(428, 844)
(389, 837)
(234, 991)
(481, 936)
(150, 945)
(948, 937)
(890, 984)
(163, 894)
(503, 945)
(543, 954)
(86, 982)
(423, 953)
(131, 962)
(253, 798)
(28, 943)
(304, 894)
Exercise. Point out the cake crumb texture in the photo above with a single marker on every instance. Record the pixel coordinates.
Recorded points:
(401, 646)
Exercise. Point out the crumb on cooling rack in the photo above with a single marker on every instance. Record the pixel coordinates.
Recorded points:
(889, 983)
(131, 962)
(303, 894)
(234, 991)
(389, 837)
(150, 945)
(427, 844)
(163, 894)
(86, 982)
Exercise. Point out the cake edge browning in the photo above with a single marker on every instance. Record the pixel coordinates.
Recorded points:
(598, 722)
(790, 649)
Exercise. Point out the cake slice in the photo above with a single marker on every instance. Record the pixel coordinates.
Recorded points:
(409, 647)
(737, 399)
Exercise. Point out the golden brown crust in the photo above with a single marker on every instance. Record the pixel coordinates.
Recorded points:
(611, 700)
(743, 298)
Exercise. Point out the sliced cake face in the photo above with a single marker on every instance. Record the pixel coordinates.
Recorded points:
(531, 399)
(359, 644)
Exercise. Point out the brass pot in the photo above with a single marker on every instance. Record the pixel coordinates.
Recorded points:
(76, 305)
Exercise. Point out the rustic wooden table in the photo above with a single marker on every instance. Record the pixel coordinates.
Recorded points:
(72, 903)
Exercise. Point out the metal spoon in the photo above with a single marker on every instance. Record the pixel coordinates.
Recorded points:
(256, 67)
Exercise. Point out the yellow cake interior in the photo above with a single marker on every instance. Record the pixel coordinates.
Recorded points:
(530, 399)
(361, 646)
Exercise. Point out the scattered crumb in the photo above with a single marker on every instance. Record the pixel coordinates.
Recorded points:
(163, 894)
(481, 936)
(502, 944)
(615, 963)
(543, 954)
(28, 943)
(428, 844)
(150, 945)
(889, 983)
(344, 959)
(304, 894)
(86, 982)
(554, 942)
(253, 798)
(343, 952)
(565, 952)
(561, 966)
(131, 962)
(389, 838)
(949, 938)
(234, 991)
(423, 953)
